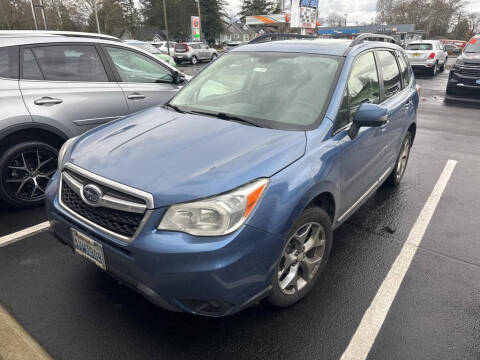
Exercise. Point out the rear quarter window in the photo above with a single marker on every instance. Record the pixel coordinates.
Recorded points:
(9, 62)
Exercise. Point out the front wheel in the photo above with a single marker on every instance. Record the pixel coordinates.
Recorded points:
(25, 170)
(399, 170)
(303, 258)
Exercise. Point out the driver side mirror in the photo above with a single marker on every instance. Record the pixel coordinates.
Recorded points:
(368, 115)
(178, 78)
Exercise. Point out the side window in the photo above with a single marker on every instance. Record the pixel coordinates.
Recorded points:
(31, 70)
(9, 62)
(362, 87)
(137, 68)
(63, 63)
(404, 70)
(391, 74)
(409, 68)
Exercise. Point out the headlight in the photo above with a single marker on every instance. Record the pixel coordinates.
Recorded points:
(219, 215)
(63, 151)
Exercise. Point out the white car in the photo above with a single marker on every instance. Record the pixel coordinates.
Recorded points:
(162, 46)
(427, 55)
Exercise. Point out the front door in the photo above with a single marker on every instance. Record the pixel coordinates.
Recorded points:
(66, 86)
(362, 158)
(145, 81)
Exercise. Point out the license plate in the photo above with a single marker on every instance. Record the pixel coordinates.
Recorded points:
(88, 248)
(416, 54)
(180, 56)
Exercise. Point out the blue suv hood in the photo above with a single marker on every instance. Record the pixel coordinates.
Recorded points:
(180, 157)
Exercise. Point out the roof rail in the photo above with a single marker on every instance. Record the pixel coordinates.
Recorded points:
(277, 37)
(26, 33)
(369, 37)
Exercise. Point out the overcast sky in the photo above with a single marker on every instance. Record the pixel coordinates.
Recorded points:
(357, 10)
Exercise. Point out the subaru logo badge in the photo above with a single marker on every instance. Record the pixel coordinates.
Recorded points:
(91, 194)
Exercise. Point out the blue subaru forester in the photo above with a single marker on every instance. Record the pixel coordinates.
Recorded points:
(230, 192)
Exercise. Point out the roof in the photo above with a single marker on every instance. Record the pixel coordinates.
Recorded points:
(423, 42)
(42, 33)
(26, 40)
(335, 47)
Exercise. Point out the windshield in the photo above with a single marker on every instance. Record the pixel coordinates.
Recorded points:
(419, 47)
(147, 47)
(473, 46)
(278, 90)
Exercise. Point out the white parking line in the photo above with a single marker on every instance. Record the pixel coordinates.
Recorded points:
(372, 320)
(22, 234)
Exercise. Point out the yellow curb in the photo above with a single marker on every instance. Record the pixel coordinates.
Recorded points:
(16, 343)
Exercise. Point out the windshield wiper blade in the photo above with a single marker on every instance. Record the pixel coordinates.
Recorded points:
(225, 116)
(174, 107)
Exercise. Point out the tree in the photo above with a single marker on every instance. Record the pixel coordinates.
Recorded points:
(212, 13)
(258, 7)
(334, 19)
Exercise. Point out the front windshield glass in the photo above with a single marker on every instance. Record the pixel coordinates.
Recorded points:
(147, 47)
(278, 90)
(473, 46)
(419, 47)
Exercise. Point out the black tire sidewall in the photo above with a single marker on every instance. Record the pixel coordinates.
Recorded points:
(194, 60)
(277, 297)
(4, 160)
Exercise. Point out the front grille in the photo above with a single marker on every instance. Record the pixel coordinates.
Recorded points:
(472, 72)
(120, 222)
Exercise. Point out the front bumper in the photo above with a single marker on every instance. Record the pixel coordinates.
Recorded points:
(211, 276)
(463, 85)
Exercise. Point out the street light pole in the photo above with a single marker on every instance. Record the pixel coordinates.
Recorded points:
(166, 26)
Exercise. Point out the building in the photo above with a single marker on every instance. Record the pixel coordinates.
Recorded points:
(235, 32)
(403, 33)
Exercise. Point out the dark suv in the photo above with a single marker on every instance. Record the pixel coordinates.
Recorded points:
(464, 79)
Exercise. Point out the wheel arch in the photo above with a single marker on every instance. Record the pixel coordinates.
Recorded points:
(31, 131)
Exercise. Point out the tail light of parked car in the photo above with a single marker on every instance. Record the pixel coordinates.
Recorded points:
(431, 56)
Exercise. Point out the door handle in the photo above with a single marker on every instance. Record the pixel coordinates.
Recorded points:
(47, 100)
(136, 96)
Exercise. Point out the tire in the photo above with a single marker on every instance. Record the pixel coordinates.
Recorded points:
(433, 70)
(25, 170)
(194, 60)
(398, 171)
(311, 222)
(214, 56)
(442, 67)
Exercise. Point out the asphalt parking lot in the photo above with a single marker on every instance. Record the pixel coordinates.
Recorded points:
(75, 311)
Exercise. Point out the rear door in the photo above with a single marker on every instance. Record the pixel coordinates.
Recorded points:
(67, 86)
(395, 99)
(363, 157)
(145, 81)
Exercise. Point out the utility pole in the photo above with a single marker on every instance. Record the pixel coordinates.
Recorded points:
(96, 15)
(346, 19)
(166, 26)
(199, 20)
(41, 6)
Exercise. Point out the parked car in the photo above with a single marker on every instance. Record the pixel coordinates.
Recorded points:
(54, 87)
(194, 52)
(152, 50)
(452, 49)
(427, 55)
(162, 46)
(229, 194)
(464, 77)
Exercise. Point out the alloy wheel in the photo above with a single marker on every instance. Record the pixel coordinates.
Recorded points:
(301, 257)
(28, 173)
(403, 159)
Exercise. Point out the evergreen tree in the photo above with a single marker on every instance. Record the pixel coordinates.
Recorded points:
(258, 7)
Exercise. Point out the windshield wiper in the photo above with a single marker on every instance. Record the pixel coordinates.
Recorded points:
(225, 116)
(174, 107)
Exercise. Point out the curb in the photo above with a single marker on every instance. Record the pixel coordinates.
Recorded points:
(16, 343)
